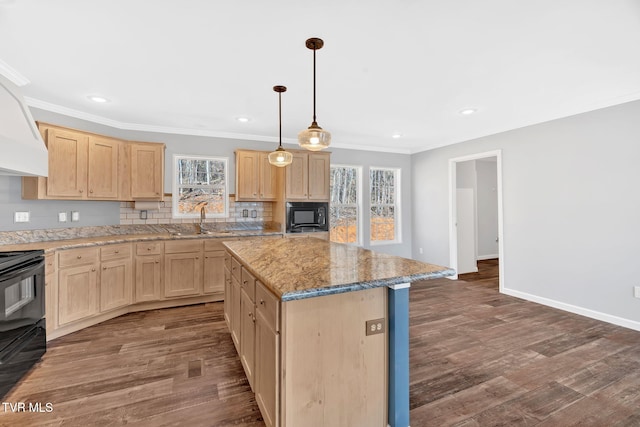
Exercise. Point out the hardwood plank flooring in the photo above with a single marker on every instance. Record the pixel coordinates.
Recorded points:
(478, 358)
(487, 274)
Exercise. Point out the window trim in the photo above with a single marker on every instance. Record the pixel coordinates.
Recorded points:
(398, 207)
(175, 186)
(359, 216)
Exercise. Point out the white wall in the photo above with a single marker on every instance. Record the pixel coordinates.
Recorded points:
(571, 208)
(487, 208)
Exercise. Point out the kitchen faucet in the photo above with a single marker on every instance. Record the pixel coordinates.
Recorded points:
(203, 215)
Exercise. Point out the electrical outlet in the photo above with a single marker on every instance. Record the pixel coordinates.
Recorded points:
(75, 216)
(375, 326)
(143, 214)
(245, 213)
(420, 251)
(636, 291)
(62, 217)
(21, 216)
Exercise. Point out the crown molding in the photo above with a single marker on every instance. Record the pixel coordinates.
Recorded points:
(65, 111)
(12, 74)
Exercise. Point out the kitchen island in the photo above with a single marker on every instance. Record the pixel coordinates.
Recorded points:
(322, 330)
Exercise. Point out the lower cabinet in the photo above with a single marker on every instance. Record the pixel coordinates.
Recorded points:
(247, 323)
(214, 279)
(183, 263)
(227, 289)
(148, 272)
(116, 277)
(77, 284)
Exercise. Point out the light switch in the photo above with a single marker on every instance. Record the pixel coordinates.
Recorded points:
(62, 217)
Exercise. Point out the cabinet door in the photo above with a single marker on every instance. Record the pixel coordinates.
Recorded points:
(267, 370)
(102, 175)
(319, 175)
(296, 183)
(77, 293)
(227, 297)
(247, 335)
(116, 284)
(147, 171)
(268, 178)
(67, 164)
(51, 292)
(148, 285)
(235, 311)
(214, 272)
(182, 274)
(247, 176)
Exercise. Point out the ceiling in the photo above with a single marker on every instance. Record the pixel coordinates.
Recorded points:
(404, 66)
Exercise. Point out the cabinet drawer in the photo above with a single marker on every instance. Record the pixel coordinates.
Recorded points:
(248, 283)
(235, 269)
(177, 247)
(149, 248)
(268, 305)
(110, 252)
(81, 256)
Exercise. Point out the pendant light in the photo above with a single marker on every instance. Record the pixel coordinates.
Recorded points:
(314, 138)
(280, 157)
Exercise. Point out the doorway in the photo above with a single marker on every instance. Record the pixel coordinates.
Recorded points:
(475, 216)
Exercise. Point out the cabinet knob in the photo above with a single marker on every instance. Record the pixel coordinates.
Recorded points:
(157, 194)
(148, 249)
(104, 268)
(117, 251)
(93, 269)
(90, 191)
(81, 191)
(245, 282)
(157, 262)
(197, 257)
(261, 302)
(79, 256)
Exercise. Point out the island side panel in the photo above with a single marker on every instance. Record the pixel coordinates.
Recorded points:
(333, 373)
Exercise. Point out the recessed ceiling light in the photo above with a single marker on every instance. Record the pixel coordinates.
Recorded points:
(98, 99)
(468, 111)
(243, 119)
(396, 135)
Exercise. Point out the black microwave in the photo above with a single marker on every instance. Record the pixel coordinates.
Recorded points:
(307, 217)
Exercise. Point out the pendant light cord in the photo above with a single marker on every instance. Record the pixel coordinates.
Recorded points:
(280, 116)
(314, 84)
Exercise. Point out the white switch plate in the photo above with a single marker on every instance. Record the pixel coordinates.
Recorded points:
(21, 216)
(62, 217)
(75, 216)
(636, 291)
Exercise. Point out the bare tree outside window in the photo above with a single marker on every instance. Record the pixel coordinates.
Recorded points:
(344, 210)
(383, 183)
(200, 179)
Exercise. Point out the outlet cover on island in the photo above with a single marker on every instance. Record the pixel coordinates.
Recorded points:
(75, 216)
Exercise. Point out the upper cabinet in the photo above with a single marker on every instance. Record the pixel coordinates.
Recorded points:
(256, 178)
(307, 177)
(85, 166)
(147, 170)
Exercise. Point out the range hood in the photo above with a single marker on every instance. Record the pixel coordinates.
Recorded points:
(22, 150)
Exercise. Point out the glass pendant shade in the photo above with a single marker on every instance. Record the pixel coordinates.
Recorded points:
(314, 138)
(280, 157)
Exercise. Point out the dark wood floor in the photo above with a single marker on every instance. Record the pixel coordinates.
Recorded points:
(487, 274)
(478, 358)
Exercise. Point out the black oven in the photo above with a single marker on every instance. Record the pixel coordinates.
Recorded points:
(23, 338)
(307, 216)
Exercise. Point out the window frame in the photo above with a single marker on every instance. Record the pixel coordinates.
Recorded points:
(175, 197)
(397, 225)
(358, 206)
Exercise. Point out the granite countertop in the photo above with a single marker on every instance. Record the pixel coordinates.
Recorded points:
(303, 268)
(66, 238)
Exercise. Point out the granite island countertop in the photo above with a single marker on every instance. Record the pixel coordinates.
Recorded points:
(77, 237)
(304, 268)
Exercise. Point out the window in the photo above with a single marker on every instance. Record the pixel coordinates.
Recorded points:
(384, 186)
(345, 202)
(200, 179)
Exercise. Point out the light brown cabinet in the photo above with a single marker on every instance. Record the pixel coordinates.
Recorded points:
(148, 271)
(227, 289)
(247, 324)
(147, 170)
(214, 275)
(234, 303)
(307, 177)
(86, 166)
(51, 292)
(256, 178)
(183, 264)
(116, 276)
(77, 284)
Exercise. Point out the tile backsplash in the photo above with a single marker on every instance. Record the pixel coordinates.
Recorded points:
(256, 212)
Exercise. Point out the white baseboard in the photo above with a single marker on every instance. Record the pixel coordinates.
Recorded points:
(483, 257)
(627, 323)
